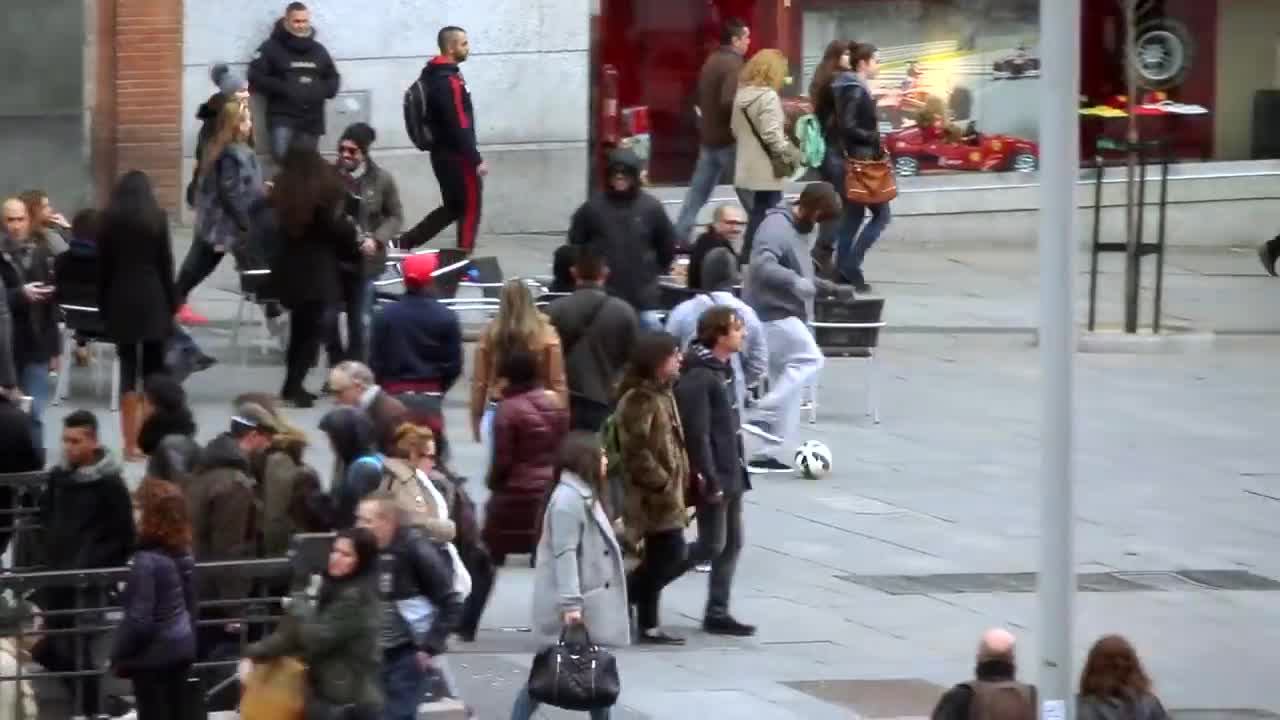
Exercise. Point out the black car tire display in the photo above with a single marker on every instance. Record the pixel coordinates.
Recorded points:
(1163, 54)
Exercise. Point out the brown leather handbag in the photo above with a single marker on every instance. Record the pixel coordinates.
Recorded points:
(870, 182)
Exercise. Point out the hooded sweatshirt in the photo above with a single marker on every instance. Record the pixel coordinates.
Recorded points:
(351, 433)
(87, 515)
(631, 230)
(296, 75)
(781, 282)
(450, 117)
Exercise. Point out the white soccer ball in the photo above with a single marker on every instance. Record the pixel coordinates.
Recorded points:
(813, 459)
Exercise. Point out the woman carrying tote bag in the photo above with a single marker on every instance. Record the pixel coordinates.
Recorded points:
(765, 157)
(580, 579)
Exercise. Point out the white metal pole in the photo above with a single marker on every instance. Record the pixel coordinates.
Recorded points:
(1059, 245)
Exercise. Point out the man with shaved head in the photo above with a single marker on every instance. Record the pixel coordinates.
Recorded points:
(726, 229)
(26, 271)
(994, 693)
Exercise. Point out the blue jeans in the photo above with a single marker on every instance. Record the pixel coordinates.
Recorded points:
(525, 706)
(34, 381)
(403, 683)
(852, 246)
(761, 202)
(282, 136)
(713, 163)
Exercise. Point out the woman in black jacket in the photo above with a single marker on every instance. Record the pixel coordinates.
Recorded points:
(156, 642)
(314, 238)
(136, 294)
(853, 131)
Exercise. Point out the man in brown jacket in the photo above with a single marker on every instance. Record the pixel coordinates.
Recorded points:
(717, 83)
(655, 470)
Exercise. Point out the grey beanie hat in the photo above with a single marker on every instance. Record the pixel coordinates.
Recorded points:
(228, 81)
(719, 270)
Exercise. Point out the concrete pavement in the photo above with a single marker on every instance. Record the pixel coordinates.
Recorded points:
(1176, 471)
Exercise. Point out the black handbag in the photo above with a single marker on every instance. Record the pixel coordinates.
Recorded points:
(575, 674)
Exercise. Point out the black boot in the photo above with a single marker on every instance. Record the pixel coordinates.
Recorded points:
(1268, 252)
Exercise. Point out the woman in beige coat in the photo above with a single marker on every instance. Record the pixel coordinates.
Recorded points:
(759, 125)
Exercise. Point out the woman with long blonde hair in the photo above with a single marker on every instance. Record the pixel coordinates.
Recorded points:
(229, 192)
(766, 157)
(518, 325)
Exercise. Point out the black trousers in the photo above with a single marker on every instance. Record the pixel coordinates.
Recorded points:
(461, 190)
(139, 361)
(70, 653)
(664, 560)
(353, 303)
(587, 414)
(162, 694)
(306, 331)
(200, 262)
(483, 573)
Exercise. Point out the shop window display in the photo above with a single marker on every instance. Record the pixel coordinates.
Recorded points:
(960, 80)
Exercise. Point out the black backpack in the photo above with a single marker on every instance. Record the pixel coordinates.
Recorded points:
(417, 116)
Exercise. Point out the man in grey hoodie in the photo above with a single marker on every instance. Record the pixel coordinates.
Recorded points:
(781, 287)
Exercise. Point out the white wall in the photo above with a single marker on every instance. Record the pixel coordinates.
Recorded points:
(528, 75)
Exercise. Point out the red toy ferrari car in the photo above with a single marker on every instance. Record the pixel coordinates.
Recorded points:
(918, 149)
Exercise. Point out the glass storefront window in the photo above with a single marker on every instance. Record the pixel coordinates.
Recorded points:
(960, 79)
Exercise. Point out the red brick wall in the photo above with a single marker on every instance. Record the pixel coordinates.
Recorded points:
(140, 106)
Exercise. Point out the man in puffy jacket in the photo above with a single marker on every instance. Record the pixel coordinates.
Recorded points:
(630, 229)
(455, 158)
(421, 606)
(296, 75)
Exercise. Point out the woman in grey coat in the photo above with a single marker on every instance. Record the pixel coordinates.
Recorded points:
(580, 576)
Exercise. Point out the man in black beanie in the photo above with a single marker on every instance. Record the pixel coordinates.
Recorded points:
(374, 205)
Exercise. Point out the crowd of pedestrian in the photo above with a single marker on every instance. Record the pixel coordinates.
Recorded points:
(610, 423)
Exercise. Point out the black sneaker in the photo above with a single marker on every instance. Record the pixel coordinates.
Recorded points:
(767, 465)
(1267, 252)
(762, 430)
(204, 362)
(862, 289)
(657, 637)
(726, 625)
(299, 398)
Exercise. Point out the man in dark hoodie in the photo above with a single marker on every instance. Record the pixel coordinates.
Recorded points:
(455, 157)
(630, 229)
(224, 514)
(781, 288)
(358, 465)
(20, 456)
(87, 517)
(296, 75)
(708, 410)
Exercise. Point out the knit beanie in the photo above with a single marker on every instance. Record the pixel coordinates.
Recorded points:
(228, 81)
(719, 270)
(360, 134)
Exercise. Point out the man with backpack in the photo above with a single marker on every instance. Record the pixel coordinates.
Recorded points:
(993, 694)
(596, 334)
(439, 119)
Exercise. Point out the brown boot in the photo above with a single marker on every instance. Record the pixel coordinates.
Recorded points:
(130, 412)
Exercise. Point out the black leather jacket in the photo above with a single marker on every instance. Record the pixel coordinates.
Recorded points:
(855, 127)
(420, 568)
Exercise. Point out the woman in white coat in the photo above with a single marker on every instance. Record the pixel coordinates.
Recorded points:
(580, 576)
(759, 127)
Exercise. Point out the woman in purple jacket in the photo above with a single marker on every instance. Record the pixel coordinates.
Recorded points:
(156, 643)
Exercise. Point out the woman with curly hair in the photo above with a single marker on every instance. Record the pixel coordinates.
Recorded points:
(156, 643)
(1113, 685)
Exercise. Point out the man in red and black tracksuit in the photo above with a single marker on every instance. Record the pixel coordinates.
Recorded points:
(455, 157)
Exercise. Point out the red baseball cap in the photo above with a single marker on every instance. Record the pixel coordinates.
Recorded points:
(417, 269)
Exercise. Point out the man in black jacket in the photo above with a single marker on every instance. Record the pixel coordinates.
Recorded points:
(727, 226)
(87, 517)
(705, 397)
(597, 332)
(420, 604)
(455, 157)
(630, 228)
(296, 75)
(26, 268)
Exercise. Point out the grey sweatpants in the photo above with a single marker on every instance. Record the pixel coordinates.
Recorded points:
(794, 364)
